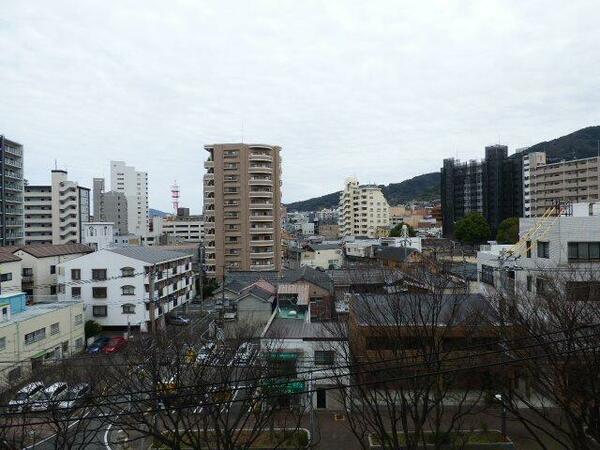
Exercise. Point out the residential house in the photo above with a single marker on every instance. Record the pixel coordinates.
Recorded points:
(396, 257)
(323, 256)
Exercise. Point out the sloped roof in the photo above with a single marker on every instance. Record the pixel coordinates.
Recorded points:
(301, 290)
(260, 293)
(398, 254)
(299, 329)
(149, 254)
(48, 250)
(316, 247)
(8, 257)
(274, 278)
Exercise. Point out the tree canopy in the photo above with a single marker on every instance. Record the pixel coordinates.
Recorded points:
(397, 231)
(472, 229)
(508, 231)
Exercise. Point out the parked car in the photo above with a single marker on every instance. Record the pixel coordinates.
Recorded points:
(177, 320)
(114, 345)
(98, 344)
(75, 396)
(244, 354)
(25, 396)
(50, 397)
(205, 352)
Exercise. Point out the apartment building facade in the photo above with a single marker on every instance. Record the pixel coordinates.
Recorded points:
(183, 227)
(32, 335)
(98, 235)
(363, 209)
(118, 294)
(110, 206)
(242, 208)
(530, 162)
(563, 182)
(134, 185)
(55, 213)
(492, 187)
(11, 192)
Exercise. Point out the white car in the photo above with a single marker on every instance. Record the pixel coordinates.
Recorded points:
(51, 396)
(205, 352)
(25, 396)
(75, 396)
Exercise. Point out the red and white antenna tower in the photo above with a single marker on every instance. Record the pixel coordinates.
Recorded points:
(175, 196)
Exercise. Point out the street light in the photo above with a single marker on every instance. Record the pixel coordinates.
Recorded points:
(503, 425)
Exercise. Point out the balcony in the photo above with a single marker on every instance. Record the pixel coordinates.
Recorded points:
(261, 194)
(261, 255)
(13, 151)
(260, 169)
(209, 176)
(260, 157)
(258, 181)
(262, 205)
(262, 267)
(17, 187)
(12, 163)
(261, 230)
(262, 243)
(257, 218)
(14, 211)
(14, 175)
(209, 164)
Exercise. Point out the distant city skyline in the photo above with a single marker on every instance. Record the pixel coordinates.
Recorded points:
(381, 90)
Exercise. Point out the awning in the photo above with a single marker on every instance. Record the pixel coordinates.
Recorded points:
(285, 386)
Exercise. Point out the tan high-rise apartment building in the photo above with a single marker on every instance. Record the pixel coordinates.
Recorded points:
(363, 209)
(565, 181)
(242, 208)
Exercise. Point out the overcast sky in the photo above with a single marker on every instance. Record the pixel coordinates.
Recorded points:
(380, 90)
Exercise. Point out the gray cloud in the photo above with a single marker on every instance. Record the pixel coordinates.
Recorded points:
(381, 90)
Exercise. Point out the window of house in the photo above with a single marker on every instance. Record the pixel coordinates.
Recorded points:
(78, 319)
(98, 274)
(528, 247)
(75, 292)
(99, 292)
(128, 290)
(61, 288)
(487, 274)
(529, 283)
(35, 336)
(54, 328)
(543, 249)
(324, 358)
(128, 308)
(52, 290)
(2, 343)
(99, 311)
(127, 272)
(6, 276)
(75, 274)
(584, 251)
(27, 272)
(52, 269)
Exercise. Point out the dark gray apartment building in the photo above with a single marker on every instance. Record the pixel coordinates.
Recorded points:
(492, 187)
(110, 206)
(11, 192)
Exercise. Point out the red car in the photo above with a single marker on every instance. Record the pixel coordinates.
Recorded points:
(114, 345)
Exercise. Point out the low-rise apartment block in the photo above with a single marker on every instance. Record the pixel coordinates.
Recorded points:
(33, 335)
(114, 284)
(317, 256)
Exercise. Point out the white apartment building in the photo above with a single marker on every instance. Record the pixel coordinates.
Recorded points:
(54, 214)
(32, 335)
(556, 245)
(180, 228)
(530, 162)
(363, 209)
(39, 265)
(134, 185)
(10, 273)
(119, 292)
(323, 256)
(98, 235)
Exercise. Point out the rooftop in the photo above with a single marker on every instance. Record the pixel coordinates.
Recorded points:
(151, 255)
(38, 309)
(48, 250)
(398, 254)
(282, 328)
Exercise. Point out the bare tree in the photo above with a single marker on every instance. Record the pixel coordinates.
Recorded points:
(400, 347)
(554, 337)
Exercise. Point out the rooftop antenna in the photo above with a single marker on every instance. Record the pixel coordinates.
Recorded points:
(55, 164)
(175, 196)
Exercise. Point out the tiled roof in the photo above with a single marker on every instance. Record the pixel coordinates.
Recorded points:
(306, 273)
(149, 254)
(8, 257)
(398, 254)
(299, 329)
(47, 250)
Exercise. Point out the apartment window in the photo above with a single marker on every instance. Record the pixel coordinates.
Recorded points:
(324, 358)
(75, 292)
(128, 290)
(35, 336)
(487, 274)
(78, 319)
(2, 343)
(75, 274)
(584, 251)
(529, 283)
(99, 311)
(27, 272)
(528, 247)
(543, 249)
(52, 269)
(6, 276)
(128, 308)
(98, 274)
(127, 272)
(99, 292)
(54, 328)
